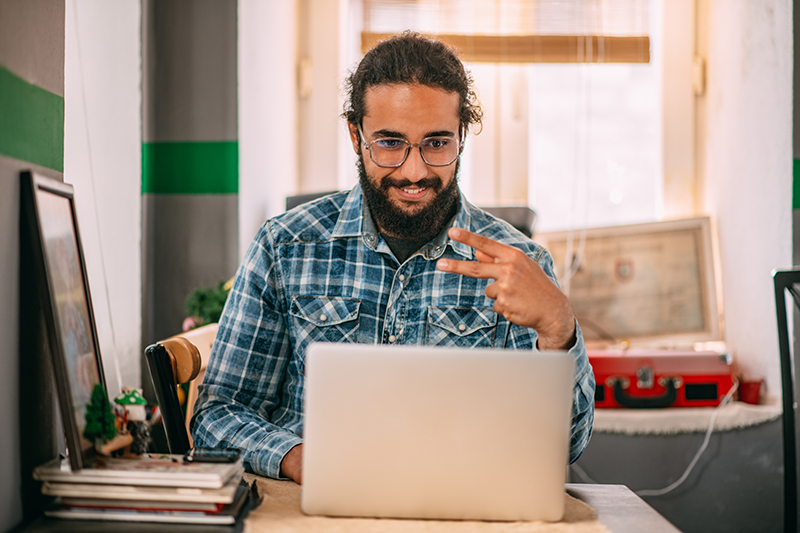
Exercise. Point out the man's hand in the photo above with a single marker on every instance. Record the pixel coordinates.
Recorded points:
(521, 291)
(292, 464)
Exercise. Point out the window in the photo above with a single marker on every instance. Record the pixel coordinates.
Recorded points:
(571, 93)
(594, 144)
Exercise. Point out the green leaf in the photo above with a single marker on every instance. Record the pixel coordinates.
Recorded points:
(207, 303)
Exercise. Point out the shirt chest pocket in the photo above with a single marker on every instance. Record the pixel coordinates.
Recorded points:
(467, 327)
(324, 319)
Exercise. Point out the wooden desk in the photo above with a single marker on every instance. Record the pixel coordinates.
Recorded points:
(618, 509)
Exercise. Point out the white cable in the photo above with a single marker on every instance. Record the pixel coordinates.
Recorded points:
(582, 473)
(582, 156)
(660, 492)
(576, 258)
(572, 260)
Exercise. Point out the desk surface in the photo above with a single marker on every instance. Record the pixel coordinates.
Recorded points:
(618, 508)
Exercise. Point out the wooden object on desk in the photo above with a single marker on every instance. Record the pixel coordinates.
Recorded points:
(589, 508)
(203, 339)
(179, 359)
(172, 362)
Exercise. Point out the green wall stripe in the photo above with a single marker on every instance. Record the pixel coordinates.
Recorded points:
(31, 122)
(796, 184)
(190, 167)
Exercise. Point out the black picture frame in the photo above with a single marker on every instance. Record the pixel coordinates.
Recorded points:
(59, 268)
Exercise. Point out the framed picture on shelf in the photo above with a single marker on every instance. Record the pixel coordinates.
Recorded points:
(48, 208)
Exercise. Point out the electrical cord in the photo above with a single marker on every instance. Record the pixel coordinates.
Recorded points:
(669, 488)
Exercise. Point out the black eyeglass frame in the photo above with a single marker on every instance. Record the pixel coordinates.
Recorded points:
(409, 146)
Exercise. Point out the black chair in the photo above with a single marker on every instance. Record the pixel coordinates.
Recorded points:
(172, 362)
(788, 280)
(300, 199)
(522, 218)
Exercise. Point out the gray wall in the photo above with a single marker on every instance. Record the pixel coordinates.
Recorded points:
(31, 49)
(737, 484)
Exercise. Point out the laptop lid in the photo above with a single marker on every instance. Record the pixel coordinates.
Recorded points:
(431, 432)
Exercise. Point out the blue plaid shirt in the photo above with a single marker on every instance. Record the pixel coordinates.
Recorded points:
(322, 272)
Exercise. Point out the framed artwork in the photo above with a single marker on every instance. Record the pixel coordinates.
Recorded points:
(48, 207)
(649, 284)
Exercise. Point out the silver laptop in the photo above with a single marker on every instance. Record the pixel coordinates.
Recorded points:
(424, 432)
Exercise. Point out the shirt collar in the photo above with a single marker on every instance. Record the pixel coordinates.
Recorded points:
(350, 221)
(356, 220)
(462, 220)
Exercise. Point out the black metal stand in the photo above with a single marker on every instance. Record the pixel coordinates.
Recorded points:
(787, 281)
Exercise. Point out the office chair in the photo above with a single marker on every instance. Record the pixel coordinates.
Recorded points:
(788, 280)
(523, 218)
(172, 362)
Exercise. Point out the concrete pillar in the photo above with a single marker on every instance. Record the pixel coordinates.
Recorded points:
(190, 163)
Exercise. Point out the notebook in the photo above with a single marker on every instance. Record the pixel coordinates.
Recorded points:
(427, 432)
(166, 512)
(151, 469)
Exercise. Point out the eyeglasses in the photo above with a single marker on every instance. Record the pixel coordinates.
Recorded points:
(391, 152)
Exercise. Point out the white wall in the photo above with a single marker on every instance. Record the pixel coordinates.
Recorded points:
(678, 108)
(329, 44)
(102, 160)
(268, 164)
(286, 108)
(746, 166)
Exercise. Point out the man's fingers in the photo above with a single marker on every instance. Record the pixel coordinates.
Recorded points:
(473, 269)
(492, 291)
(479, 242)
(484, 257)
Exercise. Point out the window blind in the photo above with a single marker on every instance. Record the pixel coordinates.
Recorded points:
(520, 31)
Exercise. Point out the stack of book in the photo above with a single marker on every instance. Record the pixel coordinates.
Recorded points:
(153, 488)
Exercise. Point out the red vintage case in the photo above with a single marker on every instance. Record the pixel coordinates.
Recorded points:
(660, 378)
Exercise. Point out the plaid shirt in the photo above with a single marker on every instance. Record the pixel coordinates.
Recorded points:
(322, 272)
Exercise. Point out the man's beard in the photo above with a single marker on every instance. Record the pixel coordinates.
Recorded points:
(426, 221)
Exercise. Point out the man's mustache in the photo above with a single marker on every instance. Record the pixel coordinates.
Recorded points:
(434, 183)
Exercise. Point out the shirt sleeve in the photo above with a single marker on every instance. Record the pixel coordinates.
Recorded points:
(244, 378)
(583, 385)
(583, 398)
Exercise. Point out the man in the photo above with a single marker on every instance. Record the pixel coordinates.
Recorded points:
(402, 258)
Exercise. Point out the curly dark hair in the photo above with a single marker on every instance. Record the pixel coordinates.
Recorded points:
(412, 58)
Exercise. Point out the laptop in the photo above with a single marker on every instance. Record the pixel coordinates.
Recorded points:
(432, 432)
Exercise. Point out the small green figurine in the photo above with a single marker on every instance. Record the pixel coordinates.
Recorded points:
(100, 418)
